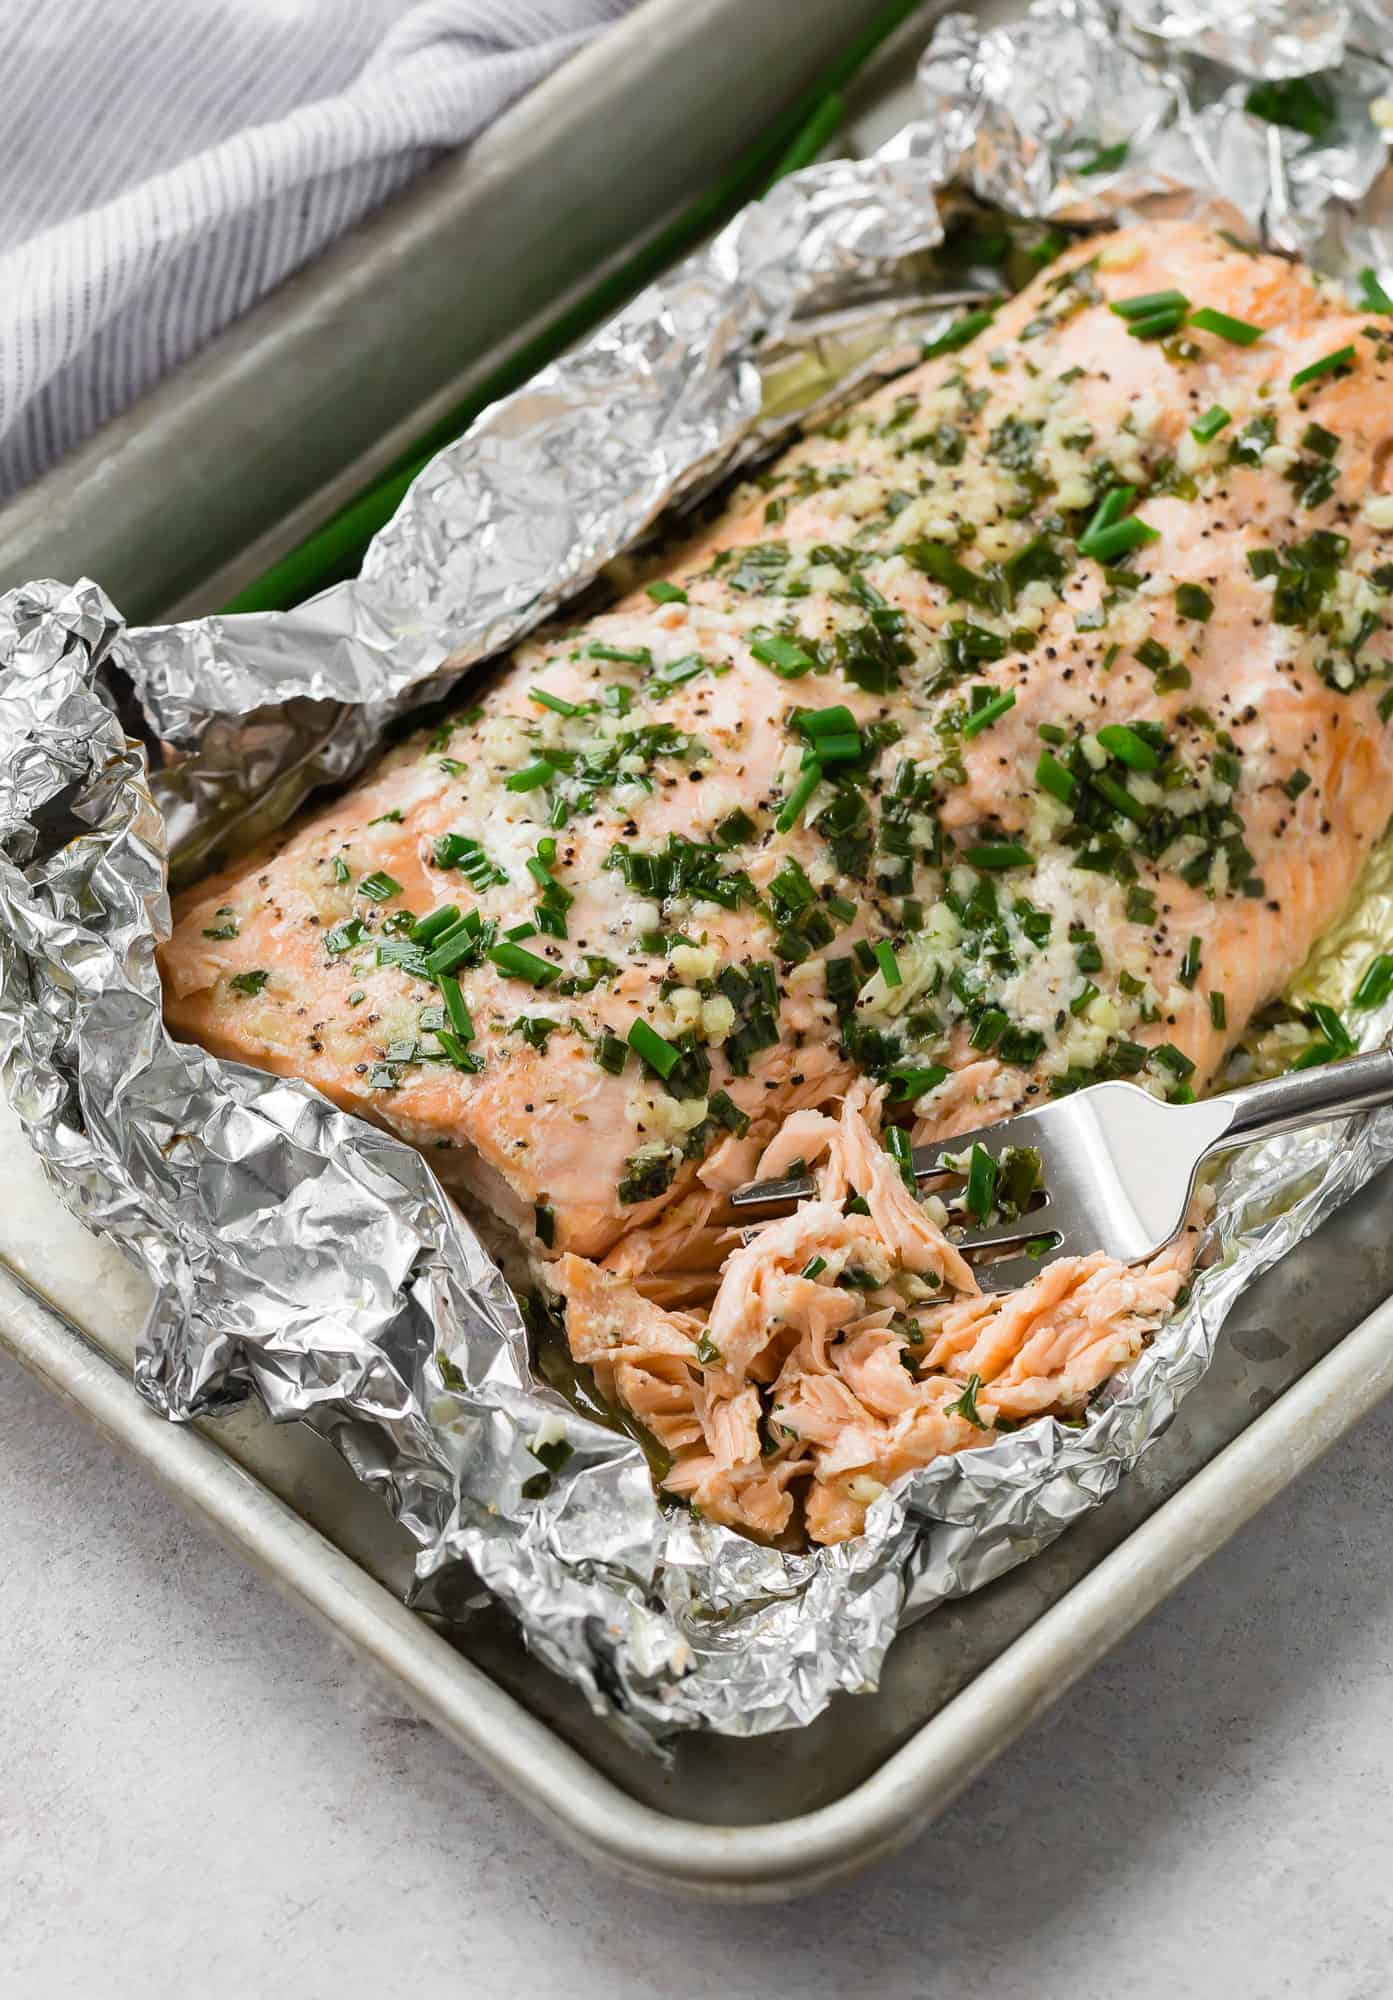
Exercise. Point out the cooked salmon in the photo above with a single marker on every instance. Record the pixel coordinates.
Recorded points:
(1023, 727)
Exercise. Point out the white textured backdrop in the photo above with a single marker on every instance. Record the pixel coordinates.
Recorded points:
(164, 163)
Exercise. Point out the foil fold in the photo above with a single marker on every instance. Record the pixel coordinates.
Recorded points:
(130, 758)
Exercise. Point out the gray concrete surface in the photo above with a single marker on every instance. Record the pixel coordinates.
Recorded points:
(199, 1798)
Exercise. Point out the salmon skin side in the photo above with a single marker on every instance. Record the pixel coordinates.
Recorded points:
(1022, 728)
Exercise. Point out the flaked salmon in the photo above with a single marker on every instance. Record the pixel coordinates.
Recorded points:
(1023, 727)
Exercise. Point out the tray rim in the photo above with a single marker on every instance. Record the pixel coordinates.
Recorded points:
(738, 1864)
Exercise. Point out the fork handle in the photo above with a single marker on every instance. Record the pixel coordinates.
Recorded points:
(1307, 1096)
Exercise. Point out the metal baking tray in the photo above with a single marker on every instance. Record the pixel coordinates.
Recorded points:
(1307, 1353)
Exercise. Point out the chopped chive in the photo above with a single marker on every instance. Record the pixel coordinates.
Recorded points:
(540, 771)
(1241, 332)
(391, 818)
(832, 732)
(249, 983)
(817, 1265)
(459, 1055)
(342, 872)
(791, 810)
(611, 1054)
(1120, 799)
(451, 948)
(1172, 677)
(1110, 508)
(1316, 438)
(1328, 364)
(1084, 998)
(1192, 600)
(1296, 784)
(1173, 1059)
(653, 1048)
(998, 854)
(966, 1405)
(1375, 297)
(511, 959)
(663, 592)
(889, 965)
(842, 749)
(555, 702)
(721, 1107)
(991, 1026)
(1157, 325)
(959, 334)
(632, 656)
(344, 936)
(379, 887)
(1143, 304)
(832, 721)
(459, 1015)
(735, 828)
(1117, 539)
(1377, 983)
(673, 672)
(1123, 742)
(910, 1080)
(989, 712)
(428, 930)
(1106, 160)
(897, 1145)
(785, 656)
(1190, 964)
(1206, 428)
(1331, 1026)
(981, 1183)
(1301, 103)
(1218, 1011)
(1054, 777)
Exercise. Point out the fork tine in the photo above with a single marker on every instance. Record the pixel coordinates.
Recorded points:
(1021, 1130)
(1008, 1274)
(755, 1194)
(1035, 1222)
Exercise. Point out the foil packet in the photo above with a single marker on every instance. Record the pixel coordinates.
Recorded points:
(129, 758)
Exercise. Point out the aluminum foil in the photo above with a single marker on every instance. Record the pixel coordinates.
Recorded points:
(237, 1192)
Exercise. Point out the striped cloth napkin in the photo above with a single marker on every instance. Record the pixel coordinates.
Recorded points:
(167, 163)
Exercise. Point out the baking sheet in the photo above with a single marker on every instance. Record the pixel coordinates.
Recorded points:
(977, 1669)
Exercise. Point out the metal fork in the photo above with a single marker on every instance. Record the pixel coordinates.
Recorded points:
(1118, 1166)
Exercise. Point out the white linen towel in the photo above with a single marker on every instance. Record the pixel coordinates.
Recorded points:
(167, 162)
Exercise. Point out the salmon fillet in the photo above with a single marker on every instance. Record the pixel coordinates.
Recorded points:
(1024, 727)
